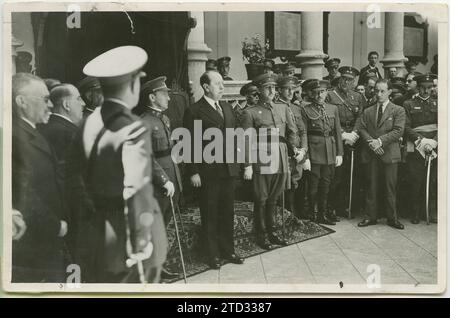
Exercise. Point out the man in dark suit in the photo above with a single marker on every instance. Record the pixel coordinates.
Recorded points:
(64, 120)
(372, 57)
(116, 151)
(40, 255)
(216, 180)
(381, 126)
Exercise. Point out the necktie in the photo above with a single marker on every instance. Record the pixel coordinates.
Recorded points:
(380, 114)
(219, 109)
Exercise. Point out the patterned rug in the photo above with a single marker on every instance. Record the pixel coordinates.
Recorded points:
(296, 231)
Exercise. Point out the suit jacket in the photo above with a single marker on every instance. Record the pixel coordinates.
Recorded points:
(210, 118)
(390, 130)
(36, 192)
(59, 132)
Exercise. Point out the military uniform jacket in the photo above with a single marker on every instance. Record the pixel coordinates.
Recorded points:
(262, 117)
(350, 107)
(420, 112)
(117, 148)
(301, 129)
(389, 130)
(324, 135)
(164, 169)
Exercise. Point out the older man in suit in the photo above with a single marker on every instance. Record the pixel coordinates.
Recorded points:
(67, 115)
(215, 180)
(39, 256)
(381, 126)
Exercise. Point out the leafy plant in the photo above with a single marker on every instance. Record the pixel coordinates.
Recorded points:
(253, 50)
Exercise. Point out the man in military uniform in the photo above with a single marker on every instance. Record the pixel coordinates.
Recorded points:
(325, 147)
(223, 66)
(294, 192)
(91, 92)
(332, 66)
(117, 152)
(421, 134)
(269, 178)
(166, 175)
(350, 105)
(268, 66)
(288, 69)
(211, 65)
(251, 94)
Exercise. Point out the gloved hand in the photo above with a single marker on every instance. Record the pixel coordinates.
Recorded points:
(338, 161)
(300, 155)
(248, 173)
(19, 226)
(307, 165)
(426, 143)
(170, 188)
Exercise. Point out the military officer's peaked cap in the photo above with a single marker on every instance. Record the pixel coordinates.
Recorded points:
(154, 85)
(265, 79)
(305, 83)
(225, 60)
(348, 71)
(287, 67)
(332, 61)
(287, 81)
(425, 78)
(87, 83)
(117, 65)
(211, 65)
(248, 88)
(315, 84)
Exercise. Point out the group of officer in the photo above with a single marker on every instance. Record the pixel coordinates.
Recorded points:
(96, 185)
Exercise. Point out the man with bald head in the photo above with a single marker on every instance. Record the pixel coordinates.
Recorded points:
(67, 115)
(216, 180)
(39, 256)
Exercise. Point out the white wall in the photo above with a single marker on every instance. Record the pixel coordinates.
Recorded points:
(340, 37)
(23, 30)
(224, 32)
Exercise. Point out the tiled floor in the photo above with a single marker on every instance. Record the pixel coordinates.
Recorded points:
(404, 257)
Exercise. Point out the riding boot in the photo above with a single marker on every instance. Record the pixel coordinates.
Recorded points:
(313, 209)
(260, 226)
(323, 212)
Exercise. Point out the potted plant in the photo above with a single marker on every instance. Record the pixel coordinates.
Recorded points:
(254, 51)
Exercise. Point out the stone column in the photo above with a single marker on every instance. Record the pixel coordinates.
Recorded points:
(15, 43)
(197, 53)
(393, 42)
(311, 54)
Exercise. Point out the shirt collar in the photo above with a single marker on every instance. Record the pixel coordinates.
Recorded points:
(62, 116)
(211, 101)
(29, 122)
(384, 105)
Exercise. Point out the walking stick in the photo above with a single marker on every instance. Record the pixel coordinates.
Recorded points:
(427, 193)
(351, 183)
(177, 208)
(282, 216)
(131, 262)
(178, 239)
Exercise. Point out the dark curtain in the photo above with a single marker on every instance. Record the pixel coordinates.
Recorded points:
(63, 52)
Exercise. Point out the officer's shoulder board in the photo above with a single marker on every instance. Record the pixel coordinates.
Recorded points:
(137, 129)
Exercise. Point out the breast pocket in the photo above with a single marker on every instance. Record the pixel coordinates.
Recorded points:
(159, 139)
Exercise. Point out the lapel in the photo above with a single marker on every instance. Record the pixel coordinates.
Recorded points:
(36, 140)
(386, 114)
(207, 110)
